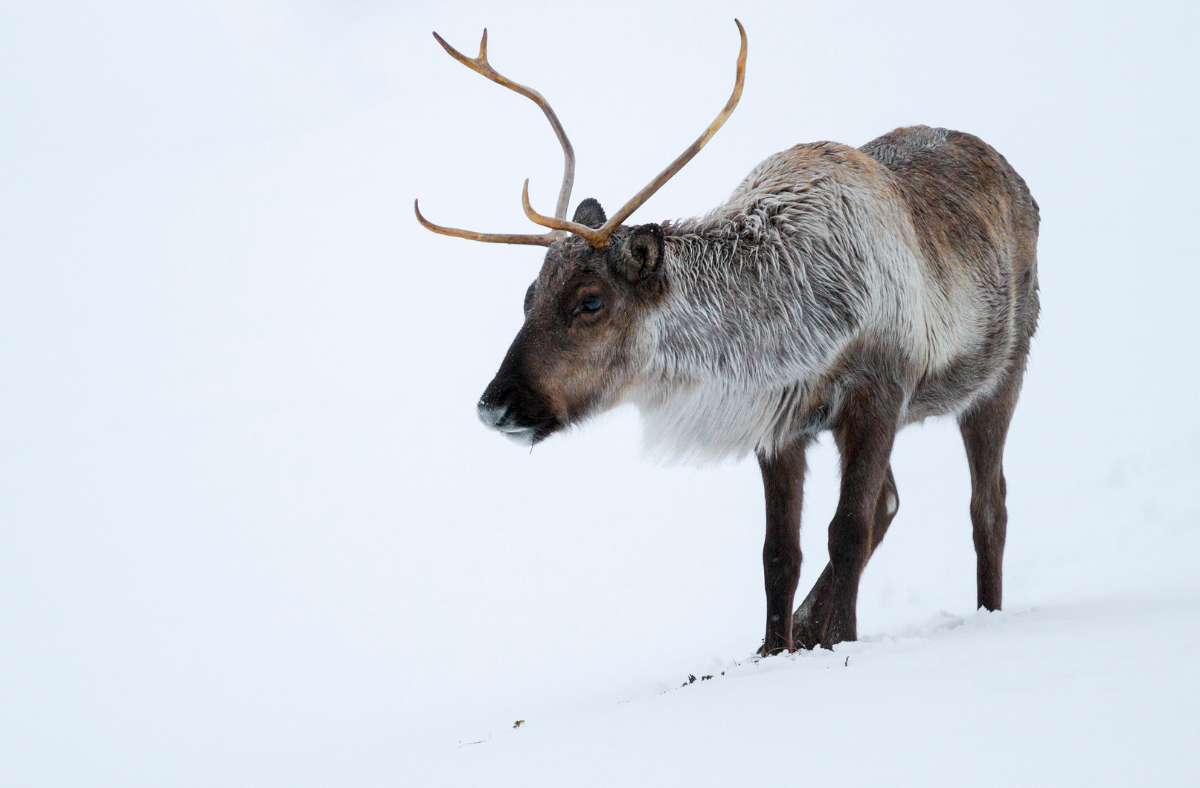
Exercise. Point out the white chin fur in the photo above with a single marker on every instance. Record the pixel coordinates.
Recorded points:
(521, 437)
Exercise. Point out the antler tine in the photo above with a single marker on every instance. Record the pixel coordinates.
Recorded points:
(593, 237)
(494, 238)
(597, 238)
(480, 65)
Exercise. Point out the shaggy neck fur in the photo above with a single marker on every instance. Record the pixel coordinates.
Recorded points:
(762, 300)
(813, 253)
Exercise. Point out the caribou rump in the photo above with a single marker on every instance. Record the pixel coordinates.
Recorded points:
(841, 289)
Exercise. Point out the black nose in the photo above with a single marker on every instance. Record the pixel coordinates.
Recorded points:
(492, 415)
(499, 416)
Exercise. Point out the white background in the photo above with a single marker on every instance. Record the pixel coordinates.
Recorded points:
(251, 532)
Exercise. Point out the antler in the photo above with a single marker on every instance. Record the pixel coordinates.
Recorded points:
(545, 239)
(480, 65)
(598, 238)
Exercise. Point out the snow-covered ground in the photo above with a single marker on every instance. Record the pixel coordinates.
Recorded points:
(252, 534)
(1088, 677)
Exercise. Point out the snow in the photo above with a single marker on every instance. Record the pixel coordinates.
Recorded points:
(1088, 678)
(251, 532)
(1046, 696)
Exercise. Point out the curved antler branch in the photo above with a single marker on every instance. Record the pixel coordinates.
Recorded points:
(677, 165)
(597, 238)
(494, 238)
(590, 235)
(480, 65)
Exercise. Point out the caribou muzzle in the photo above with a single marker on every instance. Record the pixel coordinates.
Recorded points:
(520, 414)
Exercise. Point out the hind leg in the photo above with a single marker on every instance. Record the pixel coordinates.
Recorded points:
(984, 429)
(808, 628)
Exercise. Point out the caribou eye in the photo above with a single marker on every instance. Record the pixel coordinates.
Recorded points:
(587, 306)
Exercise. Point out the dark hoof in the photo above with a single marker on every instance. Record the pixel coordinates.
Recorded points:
(765, 651)
(806, 637)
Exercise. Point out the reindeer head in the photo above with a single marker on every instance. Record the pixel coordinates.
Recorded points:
(580, 347)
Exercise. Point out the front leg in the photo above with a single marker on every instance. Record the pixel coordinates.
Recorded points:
(809, 620)
(865, 431)
(783, 484)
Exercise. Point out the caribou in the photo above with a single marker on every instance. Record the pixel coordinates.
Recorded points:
(840, 289)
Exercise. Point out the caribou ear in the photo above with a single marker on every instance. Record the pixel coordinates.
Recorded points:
(642, 252)
(590, 214)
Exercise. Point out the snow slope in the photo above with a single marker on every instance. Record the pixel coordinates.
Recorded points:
(251, 533)
(1070, 686)
(1085, 693)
